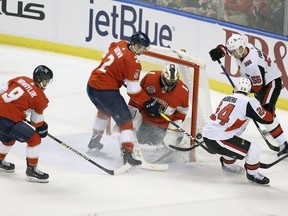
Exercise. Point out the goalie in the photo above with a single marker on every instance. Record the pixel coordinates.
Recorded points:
(166, 87)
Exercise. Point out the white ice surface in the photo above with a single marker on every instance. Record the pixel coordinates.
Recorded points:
(78, 188)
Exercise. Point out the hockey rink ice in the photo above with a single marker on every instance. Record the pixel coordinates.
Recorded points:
(78, 188)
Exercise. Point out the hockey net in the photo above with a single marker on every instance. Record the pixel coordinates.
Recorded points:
(193, 74)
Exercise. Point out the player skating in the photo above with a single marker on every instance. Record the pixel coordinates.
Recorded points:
(264, 75)
(222, 132)
(20, 97)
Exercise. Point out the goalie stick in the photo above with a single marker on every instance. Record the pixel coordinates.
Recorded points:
(272, 147)
(145, 165)
(117, 171)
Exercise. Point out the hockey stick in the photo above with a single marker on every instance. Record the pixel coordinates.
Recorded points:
(198, 137)
(272, 147)
(267, 166)
(117, 171)
(262, 165)
(145, 165)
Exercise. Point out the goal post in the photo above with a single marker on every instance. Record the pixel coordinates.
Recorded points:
(193, 74)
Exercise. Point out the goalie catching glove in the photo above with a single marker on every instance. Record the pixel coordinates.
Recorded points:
(42, 130)
(218, 52)
(152, 107)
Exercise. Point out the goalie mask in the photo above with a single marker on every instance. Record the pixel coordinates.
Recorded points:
(243, 85)
(169, 77)
(139, 42)
(237, 44)
(42, 76)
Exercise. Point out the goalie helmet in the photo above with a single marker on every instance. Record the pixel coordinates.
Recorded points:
(243, 85)
(169, 77)
(234, 43)
(42, 76)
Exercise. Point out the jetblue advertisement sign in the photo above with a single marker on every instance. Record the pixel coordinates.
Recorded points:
(122, 20)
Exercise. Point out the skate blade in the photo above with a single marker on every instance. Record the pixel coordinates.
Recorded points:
(7, 171)
(93, 152)
(228, 171)
(36, 180)
(257, 184)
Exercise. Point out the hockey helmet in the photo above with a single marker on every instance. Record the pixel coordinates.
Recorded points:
(243, 85)
(139, 43)
(140, 38)
(234, 43)
(42, 76)
(169, 77)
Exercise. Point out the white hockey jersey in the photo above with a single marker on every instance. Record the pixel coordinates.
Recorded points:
(258, 67)
(232, 116)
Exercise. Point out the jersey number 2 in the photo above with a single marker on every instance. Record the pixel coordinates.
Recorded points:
(107, 63)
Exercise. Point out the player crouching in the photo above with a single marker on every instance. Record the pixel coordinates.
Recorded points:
(221, 133)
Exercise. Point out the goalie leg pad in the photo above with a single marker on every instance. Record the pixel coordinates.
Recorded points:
(150, 134)
(136, 116)
(172, 138)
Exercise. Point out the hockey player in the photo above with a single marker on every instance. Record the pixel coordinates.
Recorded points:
(264, 75)
(173, 95)
(20, 97)
(119, 65)
(222, 132)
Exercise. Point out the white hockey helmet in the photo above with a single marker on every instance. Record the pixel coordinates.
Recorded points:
(234, 43)
(243, 85)
(169, 77)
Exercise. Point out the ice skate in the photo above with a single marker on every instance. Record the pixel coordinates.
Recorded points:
(94, 145)
(284, 150)
(35, 175)
(232, 168)
(7, 167)
(258, 178)
(127, 158)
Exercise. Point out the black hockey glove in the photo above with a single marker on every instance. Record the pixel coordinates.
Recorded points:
(43, 130)
(218, 52)
(152, 107)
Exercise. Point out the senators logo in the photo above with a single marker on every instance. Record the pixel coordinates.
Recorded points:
(247, 63)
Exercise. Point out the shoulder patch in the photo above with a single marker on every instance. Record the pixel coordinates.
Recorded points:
(137, 74)
(150, 89)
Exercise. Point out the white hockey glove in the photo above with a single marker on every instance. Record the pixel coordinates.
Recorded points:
(173, 135)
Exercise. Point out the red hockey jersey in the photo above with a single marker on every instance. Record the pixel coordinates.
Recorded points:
(21, 97)
(175, 103)
(119, 65)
